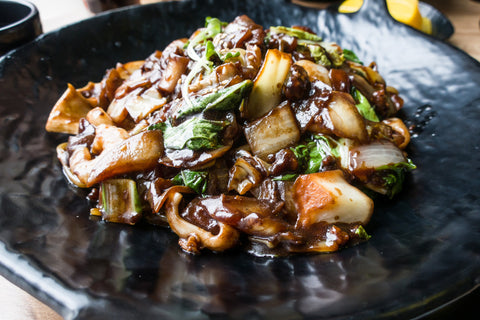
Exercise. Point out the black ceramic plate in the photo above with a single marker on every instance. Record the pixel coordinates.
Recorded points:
(425, 249)
(442, 28)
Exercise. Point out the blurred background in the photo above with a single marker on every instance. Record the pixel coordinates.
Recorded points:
(464, 15)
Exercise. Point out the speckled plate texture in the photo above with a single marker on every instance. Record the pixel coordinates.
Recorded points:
(425, 249)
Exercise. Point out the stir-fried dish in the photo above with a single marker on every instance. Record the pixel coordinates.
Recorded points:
(271, 139)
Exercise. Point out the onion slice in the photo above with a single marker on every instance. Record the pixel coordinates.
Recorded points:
(374, 155)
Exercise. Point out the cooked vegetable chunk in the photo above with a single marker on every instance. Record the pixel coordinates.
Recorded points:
(328, 197)
(273, 132)
(267, 88)
(192, 237)
(134, 154)
(67, 112)
(341, 117)
(238, 136)
(120, 201)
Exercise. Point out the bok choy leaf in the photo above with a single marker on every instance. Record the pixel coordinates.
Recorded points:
(364, 107)
(194, 134)
(224, 99)
(351, 56)
(120, 201)
(297, 33)
(393, 176)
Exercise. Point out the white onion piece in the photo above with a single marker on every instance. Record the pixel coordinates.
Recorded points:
(266, 93)
(375, 155)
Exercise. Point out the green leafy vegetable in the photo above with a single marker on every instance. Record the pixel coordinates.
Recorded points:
(230, 55)
(351, 56)
(362, 233)
(302, 153)
(335, 53)
(364, 107)
(213, 26)
(194, 134)
(319, 54)
(319, 149)
(210, 50)
(196, 180)
(311, 155)
(324, 53)
(224, 99)
(157, 126)
(212, 54)
(297, 33)
(394, 175)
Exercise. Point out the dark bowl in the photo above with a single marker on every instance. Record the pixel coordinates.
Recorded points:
(442, 28)
(19, 24)
(425, 249)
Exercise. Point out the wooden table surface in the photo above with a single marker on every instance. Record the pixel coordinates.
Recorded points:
(16, 304)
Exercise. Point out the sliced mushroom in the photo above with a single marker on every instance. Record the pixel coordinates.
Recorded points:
(67, 112)
(172, 64)
(107, 136)
(125, 70)
(255, 217)
(63, 157)
(262, 218)
(159, 200)
(243, 177)
(192, 237)
(98, 116)
(401, 136)
(140, 106)
(139, 152)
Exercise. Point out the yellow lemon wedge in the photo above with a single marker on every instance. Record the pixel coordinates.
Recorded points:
(350, 6)
(426, 25)
(405, 11)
